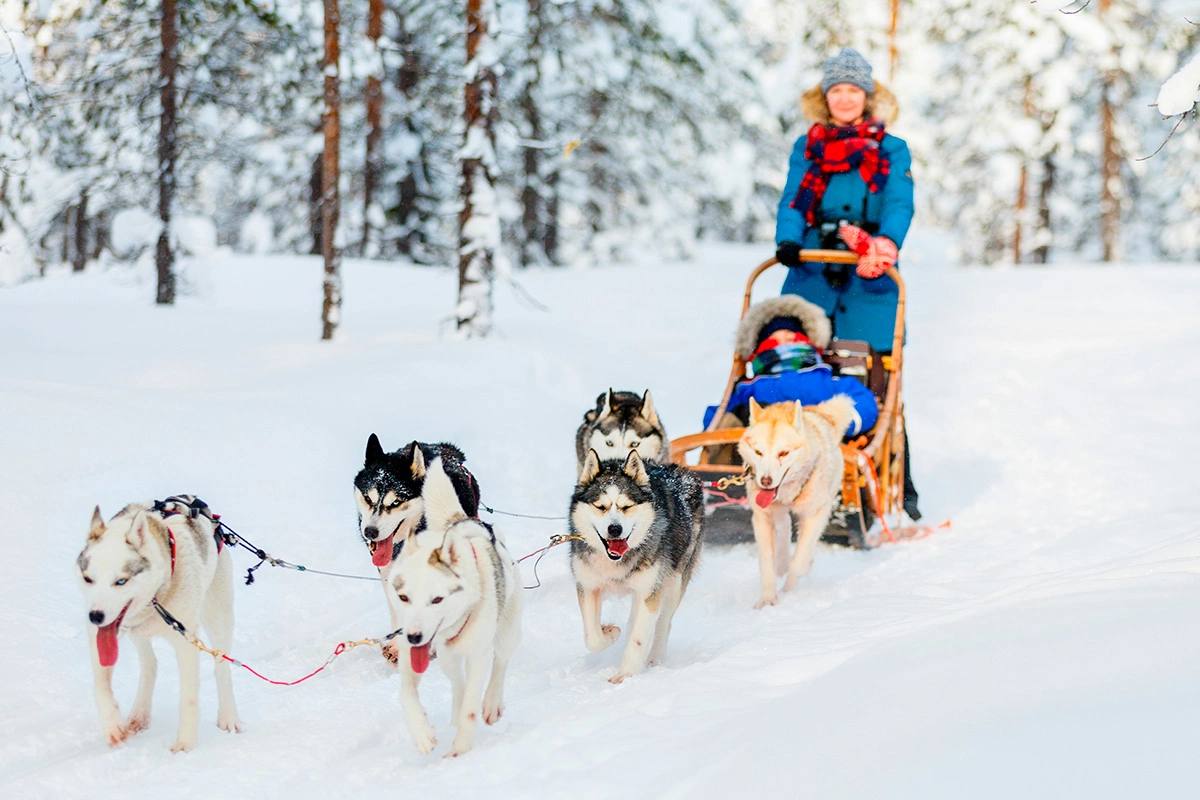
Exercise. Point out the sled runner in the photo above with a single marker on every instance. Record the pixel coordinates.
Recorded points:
(873, 475)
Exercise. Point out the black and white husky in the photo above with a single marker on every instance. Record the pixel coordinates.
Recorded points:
(387, 492)
(640, 528)
(166, 553)
(621, 422)
(454, 587)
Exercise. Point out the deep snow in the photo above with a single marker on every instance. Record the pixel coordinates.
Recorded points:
(1044, 646)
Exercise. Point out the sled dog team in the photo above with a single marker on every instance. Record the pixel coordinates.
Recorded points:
(453, 589)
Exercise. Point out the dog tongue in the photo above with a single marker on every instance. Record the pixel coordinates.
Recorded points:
(106, 640)
(382, 556)
(618, 547)
(419, 658)
(765, 497)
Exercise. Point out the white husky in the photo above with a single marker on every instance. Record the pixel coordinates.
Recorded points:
(455, 588)
(170, 556)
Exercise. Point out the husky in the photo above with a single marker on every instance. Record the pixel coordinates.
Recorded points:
(387, 492)
(169, 554)
(638, 528)
(620, 422)
(793, 461)
(454, 587)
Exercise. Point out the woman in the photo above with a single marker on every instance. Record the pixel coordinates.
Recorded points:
(849, 186)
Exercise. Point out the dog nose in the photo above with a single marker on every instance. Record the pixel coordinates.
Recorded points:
(766, 481)
(97, 617)
(371, 532)
(614, 530)
(414, 638)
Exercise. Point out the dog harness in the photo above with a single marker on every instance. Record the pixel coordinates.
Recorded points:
(195, 507)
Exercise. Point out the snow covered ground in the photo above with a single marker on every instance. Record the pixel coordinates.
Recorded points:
(1045, 646)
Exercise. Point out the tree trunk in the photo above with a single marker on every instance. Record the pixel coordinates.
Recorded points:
(531, 195)
(1110, 163)
(1041, 253)
(373, 165)
(330, 309)
(893, 50)
(478, 225)
(81, 233)
(164, 256)
(550, 226)
(315, 204)
(1019, 216)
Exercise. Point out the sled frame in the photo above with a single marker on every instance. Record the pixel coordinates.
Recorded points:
(873, 473)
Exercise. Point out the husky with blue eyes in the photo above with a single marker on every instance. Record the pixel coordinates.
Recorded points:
(169, 553)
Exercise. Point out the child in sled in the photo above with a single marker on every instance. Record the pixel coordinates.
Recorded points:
(782, 339)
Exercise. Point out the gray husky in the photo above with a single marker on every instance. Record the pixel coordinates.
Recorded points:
(164, 553)
(621, 422)
(639, 528)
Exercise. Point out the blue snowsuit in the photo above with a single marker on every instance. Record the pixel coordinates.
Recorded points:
(860, 309)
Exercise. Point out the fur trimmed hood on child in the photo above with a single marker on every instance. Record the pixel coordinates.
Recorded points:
(812, 319)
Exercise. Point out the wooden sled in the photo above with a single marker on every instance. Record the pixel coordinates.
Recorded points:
(873, 476)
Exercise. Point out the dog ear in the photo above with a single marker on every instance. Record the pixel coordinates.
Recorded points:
(608, 403)
(374, 450)
(798, 420)
(635, 468)
(648, 409)
(418, 462)
(755, 411)
(97, 529)
(137, 531)
(591, 468)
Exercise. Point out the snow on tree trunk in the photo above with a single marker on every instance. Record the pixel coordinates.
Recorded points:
(331, 308)
(478, 221)
(373, 164)
(164, 256)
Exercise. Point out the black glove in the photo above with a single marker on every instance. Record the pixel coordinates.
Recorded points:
(788, 254)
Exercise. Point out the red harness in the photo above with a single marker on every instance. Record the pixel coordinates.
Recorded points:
(171, 539)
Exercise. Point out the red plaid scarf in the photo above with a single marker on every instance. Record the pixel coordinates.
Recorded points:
(831, 149)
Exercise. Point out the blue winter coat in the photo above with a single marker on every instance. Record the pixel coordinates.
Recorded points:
(860, 309)
(809, 386)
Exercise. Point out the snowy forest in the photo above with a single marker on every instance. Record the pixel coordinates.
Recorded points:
(493, 135)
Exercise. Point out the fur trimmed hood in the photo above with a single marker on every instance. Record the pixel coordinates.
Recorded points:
(882, 105)
(812, 318)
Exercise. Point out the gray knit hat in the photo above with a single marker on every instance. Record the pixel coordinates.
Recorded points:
(850, 67)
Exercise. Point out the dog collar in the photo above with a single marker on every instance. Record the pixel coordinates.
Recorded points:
(460, 630)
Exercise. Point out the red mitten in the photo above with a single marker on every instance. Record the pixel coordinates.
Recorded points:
(880, 256)
(858, 239)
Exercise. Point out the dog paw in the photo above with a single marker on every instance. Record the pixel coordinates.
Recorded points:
(457, 750)
(618, 678)
(115, 735)
(608, 635)
(492, 713)
(392, 653)
(183, 745)
(425, 740)
(229, 722)
(766, 601)
(137, 722)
